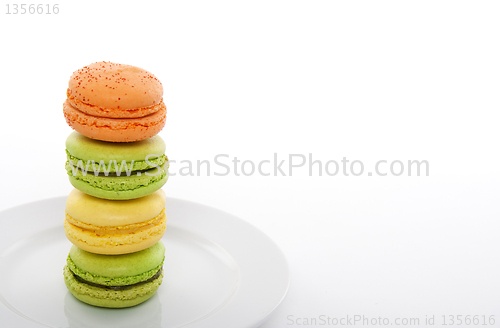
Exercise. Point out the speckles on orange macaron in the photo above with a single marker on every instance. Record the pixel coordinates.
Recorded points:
(101, 84)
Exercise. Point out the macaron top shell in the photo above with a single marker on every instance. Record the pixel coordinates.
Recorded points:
(114, 90)
(111, 213)
(113, 266)
(85, 149)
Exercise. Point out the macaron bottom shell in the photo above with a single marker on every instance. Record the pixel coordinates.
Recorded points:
(102, 297)
(117, 246)
(117, 188)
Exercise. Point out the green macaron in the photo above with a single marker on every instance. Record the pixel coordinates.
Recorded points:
(113, 170)
(114, 281)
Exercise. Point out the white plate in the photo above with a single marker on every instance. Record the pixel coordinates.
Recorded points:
(219, 272)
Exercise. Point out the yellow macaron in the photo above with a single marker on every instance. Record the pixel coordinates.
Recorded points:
(114, 226)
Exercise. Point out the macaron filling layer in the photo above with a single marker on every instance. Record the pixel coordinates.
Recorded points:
(112, 112)
(135, 180)
(111, 167)
(78, 288)
(120, 287)
(134, 228)
(74, 115)
(110, 238)
(101, 281)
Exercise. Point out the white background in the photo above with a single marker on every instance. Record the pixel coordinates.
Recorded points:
(365, 80)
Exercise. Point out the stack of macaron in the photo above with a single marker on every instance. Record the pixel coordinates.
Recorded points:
(115, 216)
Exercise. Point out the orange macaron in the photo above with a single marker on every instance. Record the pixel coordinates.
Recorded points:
(115, 102)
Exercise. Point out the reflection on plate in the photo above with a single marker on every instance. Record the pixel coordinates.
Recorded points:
(219, 271)
(79, 315)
